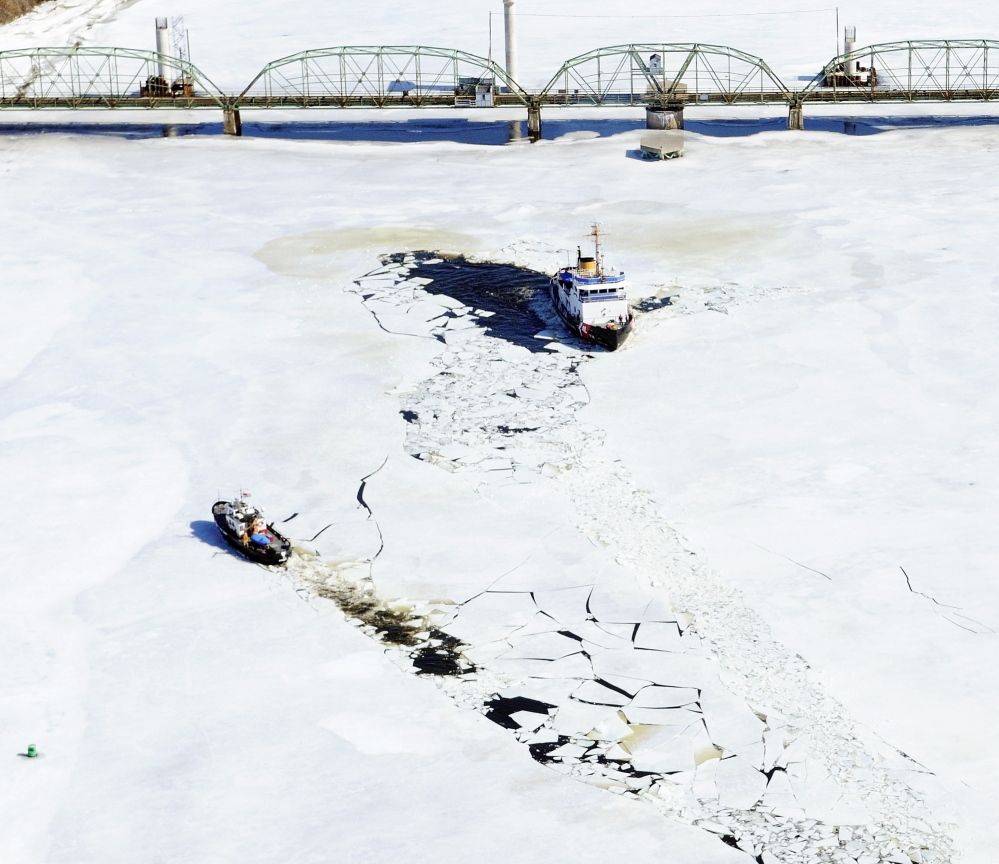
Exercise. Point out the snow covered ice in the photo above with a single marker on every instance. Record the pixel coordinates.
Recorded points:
(724, 595)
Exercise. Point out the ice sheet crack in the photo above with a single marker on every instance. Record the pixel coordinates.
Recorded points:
(949, 616)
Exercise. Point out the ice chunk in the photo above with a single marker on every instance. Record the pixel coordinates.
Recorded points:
(542, 736)
(623, 631)
(619, 603)
(577, 719)
(617, 753)
(628, 685)
(568, 751)
(540, 623)
(595, 693)
(739, 784)
(553, 691)
(773, 746)
(598, 636)
(573, 666)
(779, 793)
(659, 609)
(491, 616)
(659, 636)
(659, 667)
(529, 720)
(541, 646)
(704, 787)
(566, 605)
(665, 697)
(674, 753)
(483, 655)
(611, 728)
(730, 721)
(425, 310)
(815, 789)
(796, 751)
(752, 753)
(659, 716)
(513, 353)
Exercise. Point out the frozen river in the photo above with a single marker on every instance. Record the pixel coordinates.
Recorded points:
(761, 534)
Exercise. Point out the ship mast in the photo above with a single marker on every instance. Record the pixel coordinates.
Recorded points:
(595, 233)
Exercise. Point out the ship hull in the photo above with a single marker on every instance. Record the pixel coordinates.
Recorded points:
(606, 337)
(610, 338)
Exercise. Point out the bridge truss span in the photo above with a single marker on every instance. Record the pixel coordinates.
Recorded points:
(660, 74)
(928, 70)
(90, 77)
(407, 76)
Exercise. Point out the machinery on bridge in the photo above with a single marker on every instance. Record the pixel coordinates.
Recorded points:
(84, 77)
(163, 83)
(849, 72)
(931, 70)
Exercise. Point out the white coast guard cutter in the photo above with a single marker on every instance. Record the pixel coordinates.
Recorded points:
(593, 300)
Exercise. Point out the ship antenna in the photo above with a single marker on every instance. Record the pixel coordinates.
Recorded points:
(596, 243)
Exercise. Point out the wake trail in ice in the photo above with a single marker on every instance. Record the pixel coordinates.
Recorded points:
(670, 690)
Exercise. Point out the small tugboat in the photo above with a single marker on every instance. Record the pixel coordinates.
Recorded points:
(592, 301)
(243, 526)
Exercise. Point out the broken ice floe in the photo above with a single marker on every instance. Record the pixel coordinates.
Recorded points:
(619, 691)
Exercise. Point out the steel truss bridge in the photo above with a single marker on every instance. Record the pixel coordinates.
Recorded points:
(662, 77)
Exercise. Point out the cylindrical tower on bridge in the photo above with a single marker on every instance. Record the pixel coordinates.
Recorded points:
(849, 45)
(510, 22)
(163, 48)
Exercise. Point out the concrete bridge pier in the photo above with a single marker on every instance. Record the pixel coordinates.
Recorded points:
(232, 124)
(796, 117)
(668, 117)
(534, 121)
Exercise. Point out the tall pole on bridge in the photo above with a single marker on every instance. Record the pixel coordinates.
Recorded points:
(163, 48)
(510, 21)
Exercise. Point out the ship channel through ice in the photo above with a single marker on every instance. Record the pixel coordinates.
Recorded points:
(666, 689)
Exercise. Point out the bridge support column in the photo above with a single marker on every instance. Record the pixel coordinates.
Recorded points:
(534, 122)
(796, 117)
(670, 117)
(232, 124)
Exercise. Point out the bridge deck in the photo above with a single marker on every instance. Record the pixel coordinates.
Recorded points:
(822, 96)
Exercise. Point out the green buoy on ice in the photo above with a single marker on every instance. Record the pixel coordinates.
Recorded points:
(32, 752)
